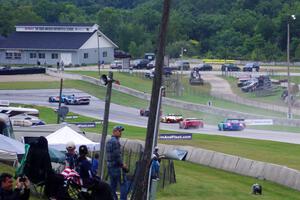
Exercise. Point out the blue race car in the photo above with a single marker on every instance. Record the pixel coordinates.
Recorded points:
(232, 125)
(55, 99)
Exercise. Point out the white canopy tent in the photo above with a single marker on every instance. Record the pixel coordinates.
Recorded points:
(11, 145)
(62, 136)
(8, 156)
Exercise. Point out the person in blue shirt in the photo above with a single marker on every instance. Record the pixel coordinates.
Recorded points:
(95, 164)
(115, 165)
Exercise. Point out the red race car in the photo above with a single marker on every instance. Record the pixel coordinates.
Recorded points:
(191, 123)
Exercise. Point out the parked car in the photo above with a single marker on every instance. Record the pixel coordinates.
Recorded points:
(139, 63)
(250, 85)
(117, 64)
(232, 125)
(151, 64)
(184, 65)
(73, 100)
(230, 67)
(191, 123)
(249, 67)
(167, 71)
(203, 67)
(26, 120)
(171, 118)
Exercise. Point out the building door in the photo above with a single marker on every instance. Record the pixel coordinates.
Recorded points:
(66, 58)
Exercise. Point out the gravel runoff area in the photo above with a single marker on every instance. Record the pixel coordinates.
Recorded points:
(27, 77)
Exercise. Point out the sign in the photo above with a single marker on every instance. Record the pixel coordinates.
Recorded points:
(258, 121)
(85, 124)
(177, 136)
(72, 117)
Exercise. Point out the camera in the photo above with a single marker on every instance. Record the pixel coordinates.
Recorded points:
(22, 179)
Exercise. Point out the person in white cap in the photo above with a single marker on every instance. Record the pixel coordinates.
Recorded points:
(71, 155)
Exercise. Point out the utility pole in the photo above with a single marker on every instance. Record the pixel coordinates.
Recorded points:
(60, 94)
(108, 81)
(289, 114)
(98, 52)
(140, 192)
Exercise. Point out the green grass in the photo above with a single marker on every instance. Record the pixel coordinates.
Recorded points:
(199, 182)
(196, 182)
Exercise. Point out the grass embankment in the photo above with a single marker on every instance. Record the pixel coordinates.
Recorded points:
(198, 182)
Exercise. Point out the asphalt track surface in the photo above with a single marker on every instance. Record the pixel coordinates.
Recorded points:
(130, 116)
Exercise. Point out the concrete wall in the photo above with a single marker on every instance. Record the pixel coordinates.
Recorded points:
(184, 105)
(235, 164)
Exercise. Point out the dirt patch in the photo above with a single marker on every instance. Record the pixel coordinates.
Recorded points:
(27, 78)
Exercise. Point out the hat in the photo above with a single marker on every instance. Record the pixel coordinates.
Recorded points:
(70, 145)
(83, 150)
(118, 128)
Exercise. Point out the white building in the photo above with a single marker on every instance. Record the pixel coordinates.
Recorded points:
(67, 43)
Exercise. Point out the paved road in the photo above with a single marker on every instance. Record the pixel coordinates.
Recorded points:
(127, 115)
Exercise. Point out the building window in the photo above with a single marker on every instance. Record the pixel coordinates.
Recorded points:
(85, 55)
(32, 55)
(41, 55)
(54, 56)
(8, 55)
(17, 55)
(104, 54)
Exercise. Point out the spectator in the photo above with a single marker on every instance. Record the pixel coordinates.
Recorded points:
(71, 155)
(157, 154)
(21, 192)
(115, 165)
(84, 166)
(154, 167)
(95, 164)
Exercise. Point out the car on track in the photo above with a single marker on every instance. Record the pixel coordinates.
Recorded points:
(144, 112)
(55, 99)
(171, 118)
(191, 123)
(232, 125)
(73, 100)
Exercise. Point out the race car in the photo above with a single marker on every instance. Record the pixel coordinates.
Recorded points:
(171, 118)
(73, 100)
(191, 123)
(232, 125)
(144, 112)
(55, 99)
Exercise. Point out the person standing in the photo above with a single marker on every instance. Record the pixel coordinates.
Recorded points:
(71, 155)
(21, 192)
(84, 166)
(95, 164)
(115, 165)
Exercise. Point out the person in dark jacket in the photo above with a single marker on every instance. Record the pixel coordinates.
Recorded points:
(115, 165)
(21, 192)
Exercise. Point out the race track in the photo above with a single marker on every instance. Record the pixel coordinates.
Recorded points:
(127, 115)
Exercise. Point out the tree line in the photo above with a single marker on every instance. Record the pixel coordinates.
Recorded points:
(237, 29)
